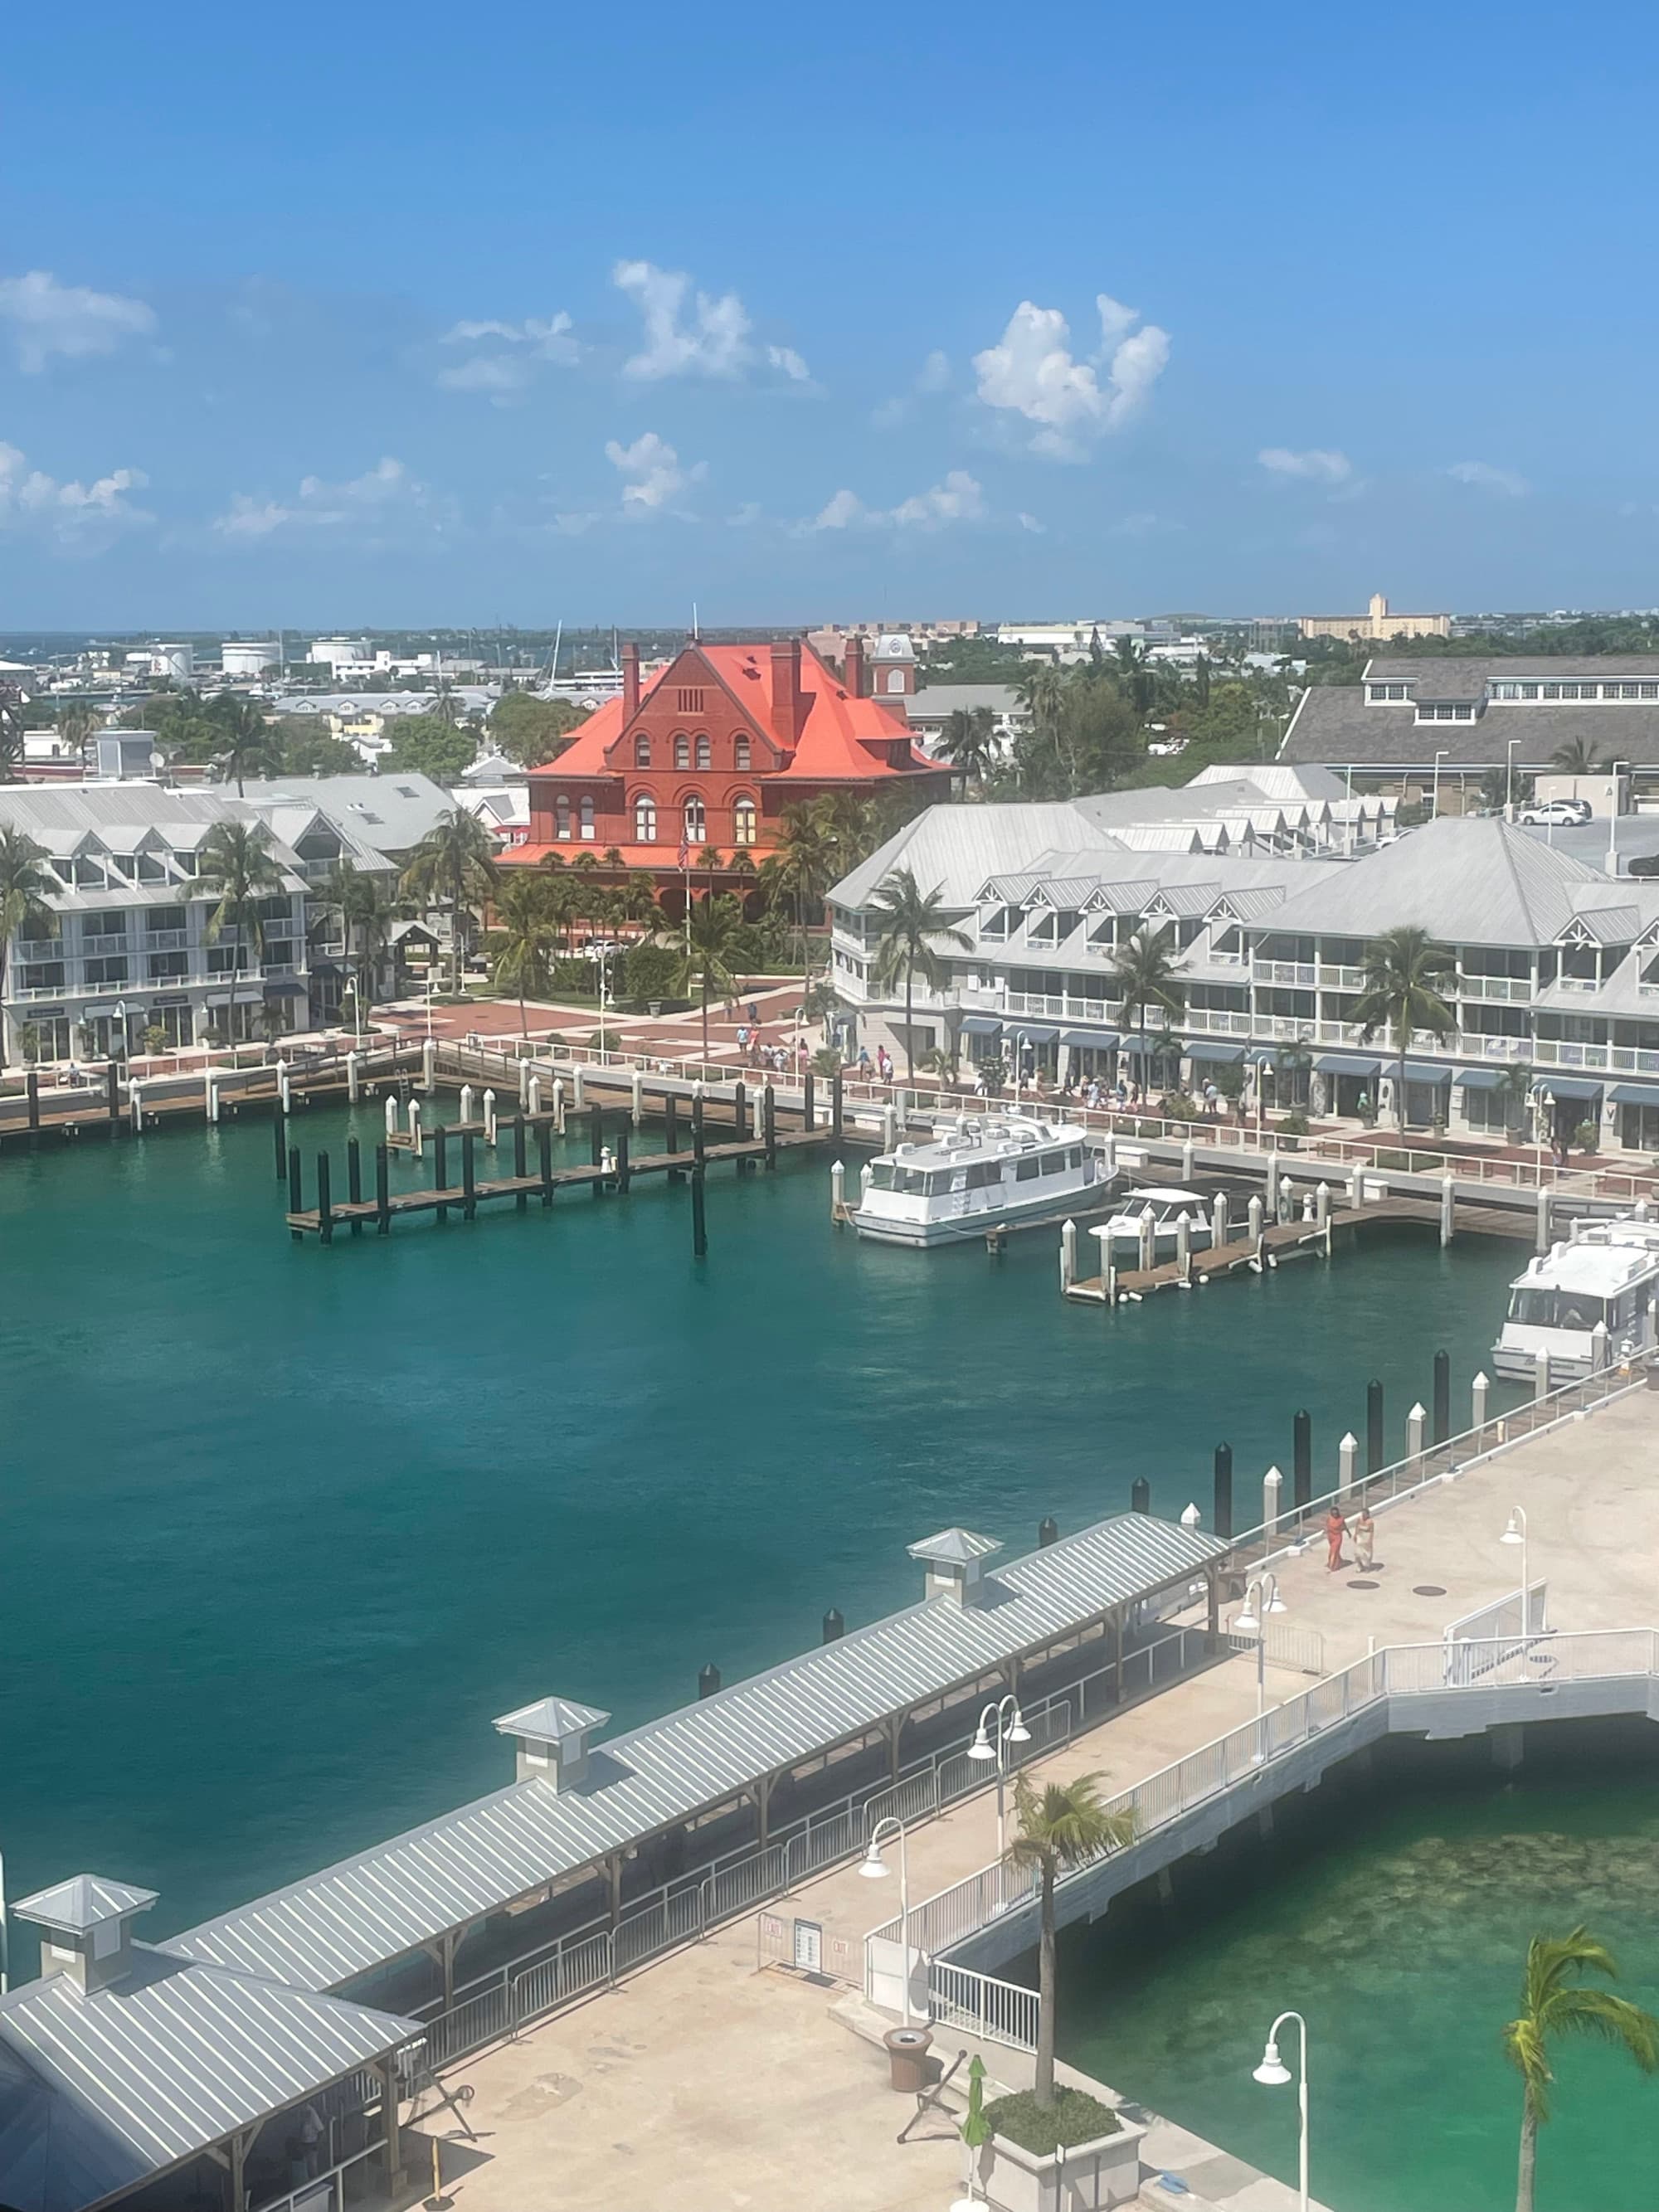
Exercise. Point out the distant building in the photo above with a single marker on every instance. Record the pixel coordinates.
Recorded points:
(1379, 625)
(1075, 641)
(176, 662)
(241, 660)
(933, 704)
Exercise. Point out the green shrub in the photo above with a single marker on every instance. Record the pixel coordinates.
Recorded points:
(1294, 1125)
(579, 977)
(650, 971)
(1072, 2118)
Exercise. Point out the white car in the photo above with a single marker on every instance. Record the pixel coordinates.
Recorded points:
(1561, 813)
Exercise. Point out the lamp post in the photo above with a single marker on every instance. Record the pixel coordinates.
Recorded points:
(1264, 1588)
(1010, 1730)
(121, 1020)
(1434, 809)
(1273, 2074)
(1516, 1532)
(1613, 818)
(1509, 746)
(874, 1867)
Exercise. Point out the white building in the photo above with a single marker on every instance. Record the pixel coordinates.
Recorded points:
(176, 662)
(1070, 640)
(336, 652)
(241, 660)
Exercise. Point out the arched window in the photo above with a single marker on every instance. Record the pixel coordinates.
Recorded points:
(705, 753)
(896, 679)
(645, 819)
(682, 752)
(587, 817)
(742, 761)
(561, 816)
(743, 822)
(641, 752)
(697, 823)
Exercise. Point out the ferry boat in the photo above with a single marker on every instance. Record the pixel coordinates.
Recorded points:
(1122, 1232)
(1609, 1276)
(979, 1173)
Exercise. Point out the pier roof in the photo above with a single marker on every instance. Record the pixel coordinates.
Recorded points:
(370, 1909)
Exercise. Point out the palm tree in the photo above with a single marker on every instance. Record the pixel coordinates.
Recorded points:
(1402, 975)
(1063, 1826)
(251, 746)
(366, 910)
(1576, 758)
(805, 861)
(969, 742)
(235, 862)
(455, 863)
(25, 888)
(1554, 2003)
(709, 961)
(521, 942)
(1515, 1088)
(79, 724)
(913, 926)
(1145, 969)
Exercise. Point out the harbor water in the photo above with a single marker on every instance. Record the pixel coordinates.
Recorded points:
(283, 1528)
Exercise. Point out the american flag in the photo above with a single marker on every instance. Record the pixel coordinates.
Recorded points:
(685, 850)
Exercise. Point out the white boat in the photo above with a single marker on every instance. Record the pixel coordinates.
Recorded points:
(979, 1173)
(1121, 1237)
(1605, 1278)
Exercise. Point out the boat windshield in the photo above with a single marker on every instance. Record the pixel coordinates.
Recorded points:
(1545, 1308)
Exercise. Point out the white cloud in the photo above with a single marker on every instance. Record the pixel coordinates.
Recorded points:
(1318, 463)
(48, 318)
(1030, 522)
(790, 363)
(384, 493)
(517, 351)
(653, 466)
(934, 374)
(77, 514)
(932, 378)
(1507, 483)
(957, 499)
(1032, 371)
(686, 334)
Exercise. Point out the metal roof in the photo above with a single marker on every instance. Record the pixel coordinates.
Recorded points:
(83, 1902)
(552, 1720)
(954, 1547)
(372, 1908)
(1466, 881)
(99, 2091)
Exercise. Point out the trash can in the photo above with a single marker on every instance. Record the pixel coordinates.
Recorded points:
(906, 2058)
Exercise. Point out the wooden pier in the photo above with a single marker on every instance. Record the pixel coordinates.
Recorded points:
(118, 1105)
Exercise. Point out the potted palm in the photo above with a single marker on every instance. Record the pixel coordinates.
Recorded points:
(1556, 2004)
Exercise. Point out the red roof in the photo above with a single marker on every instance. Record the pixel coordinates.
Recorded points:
(830, 749)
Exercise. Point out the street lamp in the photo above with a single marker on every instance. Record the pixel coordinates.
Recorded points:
(874, 1867)
(1273, 2074)
(1444, 753)
(1516, 1532)
(121, 1018)
(1013, 1730)
(1264, 1588)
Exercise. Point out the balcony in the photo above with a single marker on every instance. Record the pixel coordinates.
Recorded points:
(95, 948)
(1582, 983)
(1223, 1021)
(1300, 974)
(1510, 989)
(31, 949)
(167, 940)
(1558, 1052)
(1340, 979)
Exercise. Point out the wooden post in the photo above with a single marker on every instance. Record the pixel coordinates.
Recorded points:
(325, 1202)
(519, 1166)
(32, 1089)
(739, 1113)
(770, 1124)
(596, 1135)
(113, 1085)
(440, 1163)
(469, 1186)
(696, 1126)
(835, 1105)
(545, 1161)
(382, 1191)
(623, 1135)
(808, 1111)
(699, 1218)
(671, 1138)
(296, 1185)
(279, 1129)
(354, 1180)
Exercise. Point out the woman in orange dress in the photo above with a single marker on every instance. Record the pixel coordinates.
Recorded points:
(1335, 1530)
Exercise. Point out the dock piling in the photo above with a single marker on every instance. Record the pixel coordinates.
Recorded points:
(636, 1096)
(324, 1199)
(382, 1191)
(1273, 1186)
(1442, 1396)
(696, 1123)
(671, 1133)
(1141, 1495)
(623, 1133)
(1477, 1390)
(1357, 1186)
(469, 1098)
(1348, 1454)
(888, 1127)
(1543, 1238)
(835, 1105)
(1541, 1373)
(1067, 1254)
(296, 1185)
(699, 1216)
(1271, 1484)
(1219, 1223)
(469, 1177)
(837, 1190)
(354, 1084)
(279, 1133)
(524, 1085)
(416, 1133)
(1448, 1204)
(1416, 1421)
(354, 1180)
(441, 1164)
(545, 1161)
(32, 1093)
(1187, 1154)
(532, 1092)
(490, 1117)
(1223, 1490)
(211, 1094)
(1373, 1427)
(558, 1104)
(770, 1123)
(740, 1117)
(519, 1167)
(808, 1109)
(391, 1113)
(1255, 1223)
(1302, 1459)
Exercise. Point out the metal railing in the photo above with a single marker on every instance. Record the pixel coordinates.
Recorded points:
(980, 2005)
(327, 2191)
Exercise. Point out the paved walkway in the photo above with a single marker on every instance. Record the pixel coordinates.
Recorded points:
(704, 2081)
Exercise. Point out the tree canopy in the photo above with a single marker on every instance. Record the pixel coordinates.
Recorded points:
(533, 731)
(427, 746)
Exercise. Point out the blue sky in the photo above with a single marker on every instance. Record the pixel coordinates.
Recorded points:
(366, 315)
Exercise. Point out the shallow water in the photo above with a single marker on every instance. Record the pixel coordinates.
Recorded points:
(284, 1528)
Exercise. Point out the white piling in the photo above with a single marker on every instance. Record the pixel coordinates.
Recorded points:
(1067, 1254)
(1357, 1185)
(1187, 1161)
(837, 1190)
(1191, 1517)
(417, 1134)
(1540, 1374)
(532, 1096)
(429, 1065)
(282, 1091)
(468, 1097)
(558, 1105)
(1543, 1239)
(1218, 1222)
(577, 1074)
(889, 1128)
(1273, 1185)
(1477, 1390)
(490, 1117)
(354, 1079)
(1309, 1211)
(636, 1086)
(391, 1114)
(1255, 1218)
(1271, 1483)
(1184, 1246)
(607, 1159)
(135, 1106)
(1148, 1239)
(1598, 1347)
(1448, 1200)
(1322, 1205)
(864, 1174)
(1640, 1209)
(1108, 1160)
(1347, 1457)
(1416, 1423)
(524, 1086)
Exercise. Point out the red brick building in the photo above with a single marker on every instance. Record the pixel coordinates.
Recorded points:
(711, 751)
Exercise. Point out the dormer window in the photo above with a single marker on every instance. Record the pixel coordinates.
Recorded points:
(1377, 694)
(641, 752)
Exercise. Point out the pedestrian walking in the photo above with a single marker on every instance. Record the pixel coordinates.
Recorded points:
(1364, 1540)
(1335, 1530)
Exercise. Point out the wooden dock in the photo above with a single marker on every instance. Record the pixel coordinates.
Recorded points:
(116, 1105)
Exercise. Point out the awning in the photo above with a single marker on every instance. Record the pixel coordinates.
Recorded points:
(1225, 1055)
(986, 1025)
(1152, 1044)
(287, 986)
(1479, 1078)
(1091, 1040)
(1635, 1094)
(1032, 1033)
(1423, 1071)
(1569, 1087)
(1347, 1063)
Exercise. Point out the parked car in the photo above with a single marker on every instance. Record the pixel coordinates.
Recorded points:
(1561, 812)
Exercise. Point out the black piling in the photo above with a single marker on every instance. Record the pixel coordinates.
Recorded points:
(595, 1137)
(671, 1142)
(518, 1158)
(324, 1199)
(709, 1680)
(32, 1091)
(296, 1185)
(835, 1105)
(1223, 1490)
(697, 1142)
(770, 1124)
(545, 1160)
(808, 1110)
(622, 1157)
(1141, 1495)
(354, 1180)
(834, 1627)
(699, 1216)
(279, 1133)
(1442, 1396)
(382, 1191)
(1374, 1446)
(113, 1086)
(440, 1163)
(1302, 1458)
(469, 1177)
(1047, 1532)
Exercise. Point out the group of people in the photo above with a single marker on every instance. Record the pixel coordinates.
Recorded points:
(1338, 1529)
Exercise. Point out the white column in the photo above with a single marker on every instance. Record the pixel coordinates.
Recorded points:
(838, 1188)
(1067, 1254)
(354, 1079)
(1271, 1483)
(1448, 1200)
(1416, 1422)
(1348, 1456)
(1477, 1390)
(428, 1067)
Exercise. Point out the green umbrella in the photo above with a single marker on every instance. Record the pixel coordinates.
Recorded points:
(975, 2130)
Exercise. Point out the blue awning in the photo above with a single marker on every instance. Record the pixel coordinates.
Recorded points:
(1226, 1055)
(1425, 1071)
(1635, 1094)
(1091, 1040)
(1347, 1063)
(986, 1025)
(1479, 1078)
(1032, 1033)
(1569, 1087)
(1134, 1044)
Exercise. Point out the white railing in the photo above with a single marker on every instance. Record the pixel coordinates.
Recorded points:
(1510, 988)
(328, 2191)
(980, 2005)
(1301, 974)
(1220, 1021)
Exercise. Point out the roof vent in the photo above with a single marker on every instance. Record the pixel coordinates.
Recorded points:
(88, 1927)
(551, 1739)
(955, 1562)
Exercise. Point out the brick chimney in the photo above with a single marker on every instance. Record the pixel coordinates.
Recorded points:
(630, 668)
(852, 679)
(786, 692)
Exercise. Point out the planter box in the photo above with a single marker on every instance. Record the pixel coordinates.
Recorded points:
(1087, 2177)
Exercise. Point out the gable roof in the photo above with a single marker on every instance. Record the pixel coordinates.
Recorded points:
(1465, 880)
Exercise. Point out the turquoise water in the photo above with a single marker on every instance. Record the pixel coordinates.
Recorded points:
(283, 1528)
(1402, 1939)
